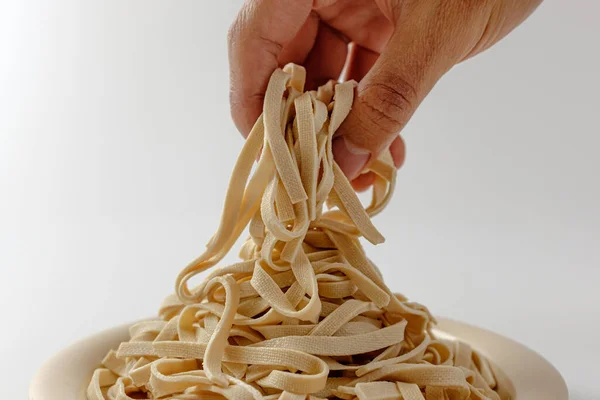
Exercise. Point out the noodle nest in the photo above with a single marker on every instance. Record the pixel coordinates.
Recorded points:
(304, 314)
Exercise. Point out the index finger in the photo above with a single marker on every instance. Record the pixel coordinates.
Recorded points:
(256, 39)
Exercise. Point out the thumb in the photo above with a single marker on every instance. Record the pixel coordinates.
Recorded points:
(415, 58)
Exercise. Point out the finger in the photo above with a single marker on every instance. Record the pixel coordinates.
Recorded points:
(398, 150)
(350, 158)
(353, 160)
(360, 61)
(256, 39)
(298, 49)
(363, 181)
(422, 48)
(327, 57)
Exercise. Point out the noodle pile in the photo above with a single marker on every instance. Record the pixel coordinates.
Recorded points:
(304, 314)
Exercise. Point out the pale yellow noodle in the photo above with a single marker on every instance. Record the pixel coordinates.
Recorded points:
(305, 314)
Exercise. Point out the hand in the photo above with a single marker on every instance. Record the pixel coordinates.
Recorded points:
(399, 50)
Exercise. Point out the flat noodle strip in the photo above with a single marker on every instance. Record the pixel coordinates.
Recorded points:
(305, 315)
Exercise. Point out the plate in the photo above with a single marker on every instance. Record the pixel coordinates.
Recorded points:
(525, 375)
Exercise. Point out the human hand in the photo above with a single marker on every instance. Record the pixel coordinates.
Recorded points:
(400, 49)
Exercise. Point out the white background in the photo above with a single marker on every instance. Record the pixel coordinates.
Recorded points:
(116, 145)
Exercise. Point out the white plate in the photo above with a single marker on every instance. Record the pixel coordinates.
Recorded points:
(529, 376)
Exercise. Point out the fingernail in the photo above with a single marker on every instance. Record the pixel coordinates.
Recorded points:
(351, 159)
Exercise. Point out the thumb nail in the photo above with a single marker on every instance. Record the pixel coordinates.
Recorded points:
(351, 159)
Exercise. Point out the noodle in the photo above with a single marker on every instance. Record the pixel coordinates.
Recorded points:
(305, 314)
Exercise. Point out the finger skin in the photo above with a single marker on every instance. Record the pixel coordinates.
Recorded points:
(360, 61)
(298, 49)
(398, 150)
(350, 159)
(256, 39)
(363, 181)
(327, 58)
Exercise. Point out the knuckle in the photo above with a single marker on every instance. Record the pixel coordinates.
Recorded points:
(239, 40)
(270, 46)
(389, 102)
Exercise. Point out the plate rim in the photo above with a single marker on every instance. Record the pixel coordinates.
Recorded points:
(531, 375)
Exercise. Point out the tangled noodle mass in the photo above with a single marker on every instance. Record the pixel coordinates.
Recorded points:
(304, 314)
